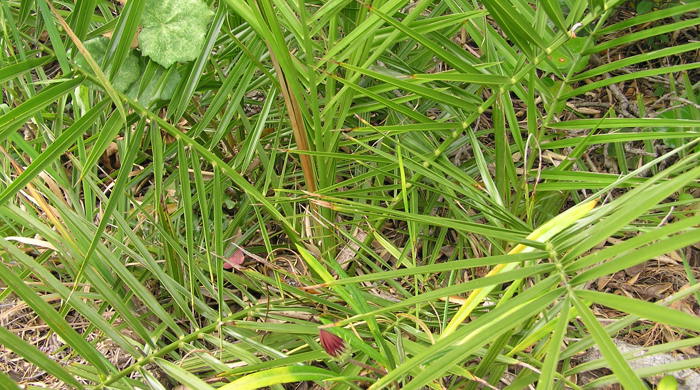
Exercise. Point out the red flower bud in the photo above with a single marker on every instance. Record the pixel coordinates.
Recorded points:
(333, 344)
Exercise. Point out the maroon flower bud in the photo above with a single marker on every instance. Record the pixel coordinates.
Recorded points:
(333, 344)
(235, 260)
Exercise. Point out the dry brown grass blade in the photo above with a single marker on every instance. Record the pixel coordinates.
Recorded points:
(298, 127)
(36, 199)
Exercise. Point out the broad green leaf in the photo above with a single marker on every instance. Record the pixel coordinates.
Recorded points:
(129, 72)
(173, 30)
(158, 86)
(181, 101)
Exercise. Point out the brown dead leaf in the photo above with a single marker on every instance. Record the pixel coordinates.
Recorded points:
(583, 110)
(110, 159)
(350, 249)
